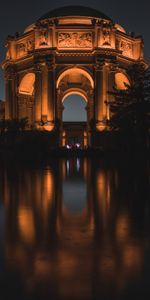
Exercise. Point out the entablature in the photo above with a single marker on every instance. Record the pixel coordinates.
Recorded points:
(102, 35)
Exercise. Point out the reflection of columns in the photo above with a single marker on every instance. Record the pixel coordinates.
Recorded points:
(51, 91)
(101, 93)
(38, 93)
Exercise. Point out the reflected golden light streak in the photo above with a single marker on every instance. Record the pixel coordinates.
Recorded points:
(122, 228)
(26, 225)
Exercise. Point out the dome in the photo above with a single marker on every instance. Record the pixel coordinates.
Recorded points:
(81, 11)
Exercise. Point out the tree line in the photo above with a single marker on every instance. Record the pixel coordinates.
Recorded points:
(130, 109)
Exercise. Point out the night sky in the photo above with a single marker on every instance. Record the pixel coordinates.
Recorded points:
(16, 15)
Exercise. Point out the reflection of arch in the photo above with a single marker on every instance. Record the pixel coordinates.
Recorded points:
(27, 84)
(74, 92)
(76, 71)
(121, 80)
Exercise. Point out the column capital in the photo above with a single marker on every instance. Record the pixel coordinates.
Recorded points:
(10, 73)
(113, 66)
(50, 65)
(98, 67)
(99, 64)
(38, 67)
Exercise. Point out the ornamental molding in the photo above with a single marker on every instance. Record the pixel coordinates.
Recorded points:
(75, 40)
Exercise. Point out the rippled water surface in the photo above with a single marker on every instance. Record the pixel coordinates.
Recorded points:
(75, 229)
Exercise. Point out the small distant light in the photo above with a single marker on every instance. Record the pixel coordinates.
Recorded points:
(68, 166)
(78, 164)
(68, 147)
(77, 145)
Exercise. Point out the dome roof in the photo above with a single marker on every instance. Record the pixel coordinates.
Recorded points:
(81, 11)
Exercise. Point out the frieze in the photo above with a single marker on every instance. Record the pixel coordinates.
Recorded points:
(75, 40)
(30, 45)
(21, 50)
(126, 48)
(24, 48)
(43, 37)
(106, 38)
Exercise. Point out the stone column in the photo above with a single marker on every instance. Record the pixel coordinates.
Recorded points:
(11, 95)
(59, 115)
(38, 94)
(111, 83)
(30, 103)
(90, 105)
(44, 93)
(51, 92)
(90, 114)
(101, 94)
(8, 95)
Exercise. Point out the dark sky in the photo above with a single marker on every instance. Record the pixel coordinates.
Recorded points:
(15, 15)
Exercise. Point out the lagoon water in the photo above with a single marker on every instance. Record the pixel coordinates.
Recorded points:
(75, 229)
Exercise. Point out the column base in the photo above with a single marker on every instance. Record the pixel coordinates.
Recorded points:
(49, 126)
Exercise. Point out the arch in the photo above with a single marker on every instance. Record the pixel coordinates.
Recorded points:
(74, 92)
(75, 71)
(121, 80)
(74, 105)
(26, 86)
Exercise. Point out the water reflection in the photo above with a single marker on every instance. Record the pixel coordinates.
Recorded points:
(74, 230)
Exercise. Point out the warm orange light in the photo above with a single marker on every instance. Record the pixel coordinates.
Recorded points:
(100, 126)
(121, 80)
(85, 139)
(122, 228)
(48, 127)
(27, 84)
(103, 194)
(74, 92)
(26, 224)
(75, 71)
(48, 190)
(132, 258)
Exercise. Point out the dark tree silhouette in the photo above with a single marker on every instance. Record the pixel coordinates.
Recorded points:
(16, 125)
(130, 111)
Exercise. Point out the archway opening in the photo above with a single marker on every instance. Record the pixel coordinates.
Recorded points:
(74, 108)
(26, 86)
(122, 82)
(74, 120)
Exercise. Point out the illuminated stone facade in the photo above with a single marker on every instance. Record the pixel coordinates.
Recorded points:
(72, 50)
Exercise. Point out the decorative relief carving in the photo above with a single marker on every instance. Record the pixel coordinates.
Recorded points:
(126, 48)
(75, 40)
(30, 45)
(24, 48)
(106, 37)
(21, 50)
(43, 37)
